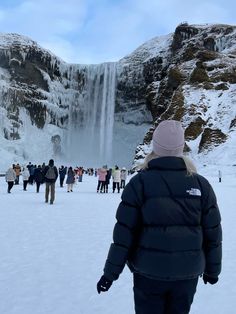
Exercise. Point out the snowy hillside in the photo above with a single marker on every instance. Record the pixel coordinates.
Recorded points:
(52, 256)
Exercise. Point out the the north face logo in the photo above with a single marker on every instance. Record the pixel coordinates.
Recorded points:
(195, 192)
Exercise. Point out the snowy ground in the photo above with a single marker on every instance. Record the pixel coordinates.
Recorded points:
(51, 256)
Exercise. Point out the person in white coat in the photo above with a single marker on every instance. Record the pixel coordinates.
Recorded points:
(25, 177)
(10, 178)
(116, 179)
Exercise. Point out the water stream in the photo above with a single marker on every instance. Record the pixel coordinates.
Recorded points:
(91, 118)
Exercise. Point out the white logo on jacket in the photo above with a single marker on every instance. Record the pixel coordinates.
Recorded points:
(195, 192)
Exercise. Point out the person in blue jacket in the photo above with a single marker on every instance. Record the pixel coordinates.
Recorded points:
(62, 174)
(38, 177)
(168, 229)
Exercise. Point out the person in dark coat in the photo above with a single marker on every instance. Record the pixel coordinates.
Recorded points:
(50, 174)
(31, 171)
(168, 229)
(38, 177)
(107, 179)
(62, 174)
(43, 168)
(70, 180)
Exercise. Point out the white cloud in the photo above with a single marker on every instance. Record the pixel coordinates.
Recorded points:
(87, 31)
(60, 47)
(52, 22)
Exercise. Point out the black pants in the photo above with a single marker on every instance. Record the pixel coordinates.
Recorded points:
(106, 186)
(122, 184)
(101, 186)
(114, 185)
(163, 297)
(37, 186)
(62, 181)
(10, 185)
(31, 179)
(25, 182)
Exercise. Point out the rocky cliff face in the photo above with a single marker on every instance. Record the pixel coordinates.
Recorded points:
(48, 107)
(197, 87)
(35, 94)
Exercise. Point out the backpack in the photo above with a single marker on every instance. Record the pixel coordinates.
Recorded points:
(50, 174)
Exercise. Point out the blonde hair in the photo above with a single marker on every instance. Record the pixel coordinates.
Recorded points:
(191, 169)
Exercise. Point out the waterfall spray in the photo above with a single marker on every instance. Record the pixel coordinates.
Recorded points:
(91, 118)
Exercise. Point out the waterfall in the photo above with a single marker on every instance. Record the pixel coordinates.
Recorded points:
(91, 117)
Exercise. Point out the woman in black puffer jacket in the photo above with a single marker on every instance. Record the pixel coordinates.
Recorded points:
(168, 229)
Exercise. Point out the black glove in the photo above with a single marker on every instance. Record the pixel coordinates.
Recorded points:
(211, 280)
(104, 284)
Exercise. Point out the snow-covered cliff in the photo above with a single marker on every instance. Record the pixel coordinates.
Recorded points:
(197, 86)
(97, 114)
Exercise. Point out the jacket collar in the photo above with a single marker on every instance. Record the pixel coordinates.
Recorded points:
(167, 163)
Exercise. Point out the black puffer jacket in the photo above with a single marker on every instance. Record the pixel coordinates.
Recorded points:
(168, 225)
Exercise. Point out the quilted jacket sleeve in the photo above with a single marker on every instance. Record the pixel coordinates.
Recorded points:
(128, 220)
(212, 234)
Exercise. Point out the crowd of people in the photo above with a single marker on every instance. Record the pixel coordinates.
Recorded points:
(168, 228)
(48, 174)
(118, 176)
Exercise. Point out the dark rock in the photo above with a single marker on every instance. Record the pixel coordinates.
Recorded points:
(56, 141)
(226, 76)
(182, 32)
(233, 123)
(211, 138)
(175, 78)
(205, 55)
(199, 75)
(209, 44)
(221, 86)
(194, 129)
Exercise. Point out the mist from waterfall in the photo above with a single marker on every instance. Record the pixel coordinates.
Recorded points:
(91, 117)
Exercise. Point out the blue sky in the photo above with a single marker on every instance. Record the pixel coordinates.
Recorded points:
(86, 31)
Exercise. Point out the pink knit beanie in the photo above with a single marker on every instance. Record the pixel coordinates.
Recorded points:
(168, 139)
